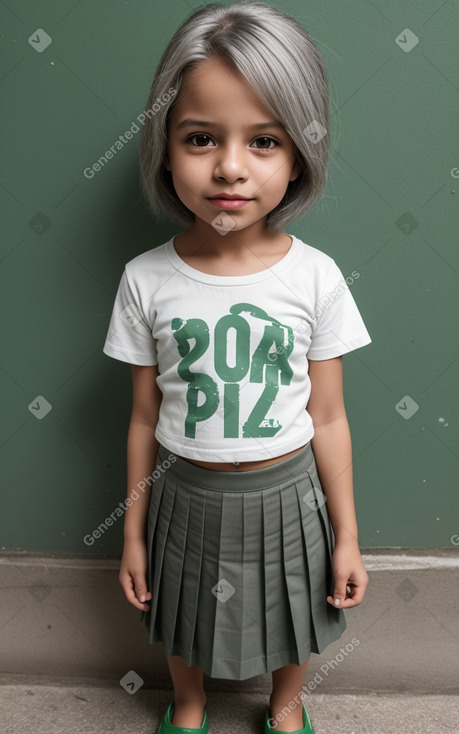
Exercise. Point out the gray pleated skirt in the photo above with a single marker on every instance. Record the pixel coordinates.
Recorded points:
(240, 566)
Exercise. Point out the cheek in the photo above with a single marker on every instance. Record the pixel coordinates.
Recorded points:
(181, 186)
(189, 168)
(186, 180)
(190, 175)
(272, 174)
(187, 184)
(275, 183)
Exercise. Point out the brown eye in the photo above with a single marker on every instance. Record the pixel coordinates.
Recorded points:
(201, 140)
(265, 143)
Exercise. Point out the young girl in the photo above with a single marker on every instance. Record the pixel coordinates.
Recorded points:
(240, 558)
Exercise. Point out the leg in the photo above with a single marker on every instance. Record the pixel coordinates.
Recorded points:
(189, 694)
(285, 701)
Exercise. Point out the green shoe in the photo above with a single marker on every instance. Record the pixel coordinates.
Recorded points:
(307, 728)
(167, 727)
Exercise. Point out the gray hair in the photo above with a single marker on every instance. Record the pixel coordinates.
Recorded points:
(278, 58)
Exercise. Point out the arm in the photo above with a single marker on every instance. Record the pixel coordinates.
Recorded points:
(142, 449)
(331, 445)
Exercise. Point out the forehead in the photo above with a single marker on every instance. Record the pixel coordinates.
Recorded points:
(215, 86)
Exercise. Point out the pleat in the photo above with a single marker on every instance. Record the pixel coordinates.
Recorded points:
(327, 621)
(277, 612)
(156, 493)
(254, 606)
(228, 623)
(161, 530)
(171, 570)
(327, 530)
(296, 574)
(207, 637)
(191, 578)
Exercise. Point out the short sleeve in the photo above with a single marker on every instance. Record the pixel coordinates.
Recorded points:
(339, 327)
(129, 336)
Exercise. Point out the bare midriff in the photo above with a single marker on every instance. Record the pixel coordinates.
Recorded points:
(244, 465)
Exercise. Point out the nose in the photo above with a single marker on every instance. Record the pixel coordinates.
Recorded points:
(231, 164)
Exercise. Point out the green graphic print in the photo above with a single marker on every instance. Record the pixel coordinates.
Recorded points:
(268, 364)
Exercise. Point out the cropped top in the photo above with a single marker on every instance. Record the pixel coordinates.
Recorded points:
(232, 351)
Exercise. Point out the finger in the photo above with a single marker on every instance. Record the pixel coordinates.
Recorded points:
(346, 604)
(140, 587)
(356, 594)
(340, 591)
(353, 598)
(357, 588)
(128, 587)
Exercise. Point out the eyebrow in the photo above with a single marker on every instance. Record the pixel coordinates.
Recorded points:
(203, 123)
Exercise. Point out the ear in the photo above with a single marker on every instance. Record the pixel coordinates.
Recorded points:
(296, 170)
(166, 163)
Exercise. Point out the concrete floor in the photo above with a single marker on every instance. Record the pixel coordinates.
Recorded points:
(94, 709)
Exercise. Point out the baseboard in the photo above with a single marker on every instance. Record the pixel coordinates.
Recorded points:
(66, 617)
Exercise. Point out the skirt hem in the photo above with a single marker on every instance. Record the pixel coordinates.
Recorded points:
(231, 669)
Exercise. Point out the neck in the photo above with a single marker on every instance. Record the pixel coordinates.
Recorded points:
(209, 239)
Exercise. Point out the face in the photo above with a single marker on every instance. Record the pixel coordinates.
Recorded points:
(222, 140)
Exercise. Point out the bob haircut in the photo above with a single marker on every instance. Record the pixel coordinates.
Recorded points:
(278, 58)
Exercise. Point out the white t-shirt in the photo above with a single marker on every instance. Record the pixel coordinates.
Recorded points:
(232, 351)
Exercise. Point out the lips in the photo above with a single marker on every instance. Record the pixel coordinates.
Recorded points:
(229, 201)
(230, 196)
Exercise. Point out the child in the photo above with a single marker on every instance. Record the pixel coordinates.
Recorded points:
(240, 558)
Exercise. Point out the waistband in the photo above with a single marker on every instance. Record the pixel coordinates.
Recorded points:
(238, 481)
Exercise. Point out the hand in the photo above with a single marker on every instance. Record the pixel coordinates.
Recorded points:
(133, 573)
(351, 579)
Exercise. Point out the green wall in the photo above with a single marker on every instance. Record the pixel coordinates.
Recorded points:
(388, 213)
